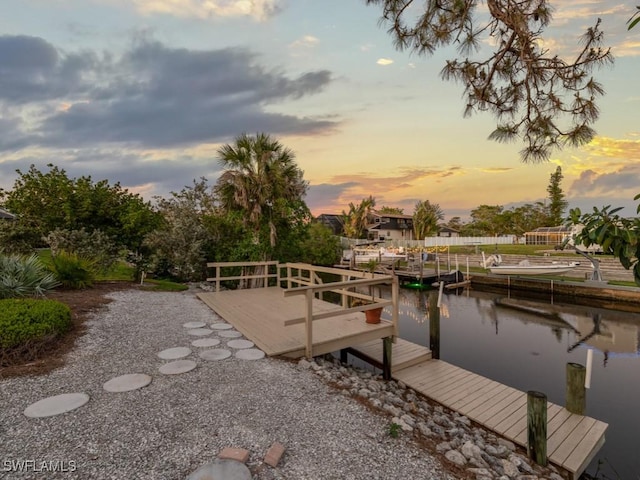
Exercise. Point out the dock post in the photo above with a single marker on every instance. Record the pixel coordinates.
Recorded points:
(386, 357)
(344, 357)
(576, 394)
(309, 325)
(537, 427)
(434, 325)
(395, 297)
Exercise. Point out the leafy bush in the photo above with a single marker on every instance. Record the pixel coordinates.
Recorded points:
(321, 247)
(24, 277)
(72, 270)
(96, 245)
(27, 323)
(25, 319)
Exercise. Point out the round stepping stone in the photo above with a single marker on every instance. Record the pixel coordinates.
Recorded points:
(206, 342)
(50, 406)
(215, 354)
(223, 469)
(250, 354)
(174, 353)
(199, 332)
(125, 383)
(194, 324)
(229, 334)
(177, 367)
(240, 344)
(221, 326)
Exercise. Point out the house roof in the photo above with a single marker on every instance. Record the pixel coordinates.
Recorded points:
(7, 215)
(390, 215)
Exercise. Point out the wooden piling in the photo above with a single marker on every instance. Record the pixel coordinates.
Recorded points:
(575, 400)
(343, 355)
(434, 325)
(386, 357)
(537, 427)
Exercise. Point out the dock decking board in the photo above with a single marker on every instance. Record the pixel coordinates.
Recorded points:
(259, 314)
(572, 440)
(404, 354)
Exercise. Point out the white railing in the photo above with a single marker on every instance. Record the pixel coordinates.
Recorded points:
(435, 242)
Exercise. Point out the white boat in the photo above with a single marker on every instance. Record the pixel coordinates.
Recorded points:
(495, 266)
(364, 255)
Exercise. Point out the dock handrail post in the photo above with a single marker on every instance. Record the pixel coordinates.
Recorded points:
(434, 325)
(537, 427)
(395, 298)
(576, 393)
(343, 278)
(265, 274)
(278, 267)
(309, 324)
(288, 276)
(217, 278)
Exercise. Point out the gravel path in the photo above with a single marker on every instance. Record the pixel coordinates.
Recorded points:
(180, 422)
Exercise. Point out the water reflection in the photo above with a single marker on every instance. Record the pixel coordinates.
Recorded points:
(526, 344)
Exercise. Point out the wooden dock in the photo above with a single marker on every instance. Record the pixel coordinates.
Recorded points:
(572, 440)
(260, 314)
(296, 322)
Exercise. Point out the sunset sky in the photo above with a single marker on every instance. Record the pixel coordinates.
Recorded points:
(145, 91)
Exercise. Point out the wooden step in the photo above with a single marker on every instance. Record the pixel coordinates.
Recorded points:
(404, 354)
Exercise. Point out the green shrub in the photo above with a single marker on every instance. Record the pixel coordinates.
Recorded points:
(27, 320)
(96, 245)
(24, 277)
(72, 270)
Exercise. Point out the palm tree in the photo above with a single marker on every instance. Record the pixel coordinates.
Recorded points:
(261, 180)
(356, 220)
(426, 217)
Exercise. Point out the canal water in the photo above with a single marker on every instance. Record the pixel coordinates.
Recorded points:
(526, 343)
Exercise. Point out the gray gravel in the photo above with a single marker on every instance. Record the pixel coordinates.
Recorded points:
(180, 422)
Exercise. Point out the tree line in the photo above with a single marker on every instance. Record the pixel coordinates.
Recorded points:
(254, 212)
(486, 220)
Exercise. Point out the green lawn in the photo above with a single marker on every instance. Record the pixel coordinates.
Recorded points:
(123, 272)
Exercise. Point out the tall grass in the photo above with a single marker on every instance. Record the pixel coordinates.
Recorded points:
(73, 271)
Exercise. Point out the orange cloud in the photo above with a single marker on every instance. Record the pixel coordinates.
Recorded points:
(495, 169)
(407, 178)
(628, 48)
(614, 148)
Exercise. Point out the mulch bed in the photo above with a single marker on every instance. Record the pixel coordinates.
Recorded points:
(51, 355)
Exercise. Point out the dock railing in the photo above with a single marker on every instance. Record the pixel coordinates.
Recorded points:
(259, 270)
(309, 284)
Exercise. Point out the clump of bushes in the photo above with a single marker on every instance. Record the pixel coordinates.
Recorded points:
(97, 245)
(28, 324)
(72, 270)
(22, 276)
